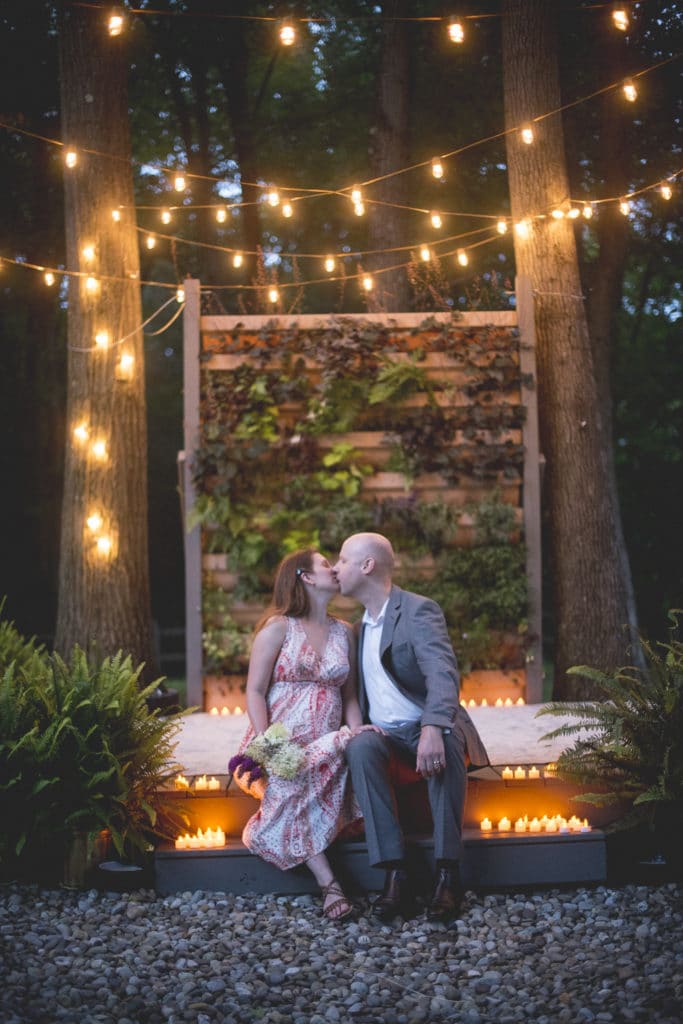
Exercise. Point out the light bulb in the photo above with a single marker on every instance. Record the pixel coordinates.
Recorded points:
(456, 32)
(287, 34)
(102, 339)
(81, 433)
(165, 216)
(273, 295)
(180, 295)
(116, 216)
(221, 215)
(425, 254)
(92, 285)
(368, 283)
(125, 366)
(527, 134)
(436, 220)
(179, 183)
(287, 209)
(329, 264)
(273, 197)
(150, 241)
(437, 167)
(88, 253)
(666, 191)
(587, 210)
(625, 207)
(558, 214)
(523, 228)
(94, 522)
(99, 449)
(463, 258)
(237, 260)
(71, 158)
(502, 226)
(359, 209)
(574, 212)
(356, 194)
(115, 25)
(104, 546)
(620, 17)
(629, 90)
(49, 278)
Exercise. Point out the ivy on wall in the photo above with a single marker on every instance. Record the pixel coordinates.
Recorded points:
(276, 468)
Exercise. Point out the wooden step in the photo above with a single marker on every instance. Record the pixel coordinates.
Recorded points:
(489, 861)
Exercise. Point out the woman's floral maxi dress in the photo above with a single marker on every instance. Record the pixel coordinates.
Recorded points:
(299, 818)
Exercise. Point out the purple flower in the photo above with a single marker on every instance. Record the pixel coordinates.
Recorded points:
(241, 763)
(255, 773)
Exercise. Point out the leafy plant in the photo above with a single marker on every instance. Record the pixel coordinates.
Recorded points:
(632, 743)
(80, 751)
(15, 649)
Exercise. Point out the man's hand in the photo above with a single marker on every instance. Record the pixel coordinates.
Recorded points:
(431, 756)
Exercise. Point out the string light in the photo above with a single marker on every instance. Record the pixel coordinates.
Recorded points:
(115, 24)
(329, 264)
(587, 210)
(573, 212)
(273, 197)
(81, 432)
(368, 283)
(502, 226)
(116, 216)
(273, 295)
(456, 32)
(625, 207)
(359, 209)
(287, 34)
(287, 210)
(462, 257)
(49, 278)
(629, 90)
(437, 167)
(436, 219)
(237, 260)
(98, 449)
(557, 213)
(180, 295)
(523, 228)
(666, 191)
(150, 241)
(104, 546)
(179, 183)
(356, 195)
(221, 215)
(102, 339)
(125, 366)
(527, 134)
(425, 254)
(88, 253)
(94, 522)
(165, 216)
(620, 17)
(92, 285)
(71, 158)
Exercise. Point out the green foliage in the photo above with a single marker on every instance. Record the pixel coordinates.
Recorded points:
(14, 648)
(632, 743)
(80, 751)
(226, 644)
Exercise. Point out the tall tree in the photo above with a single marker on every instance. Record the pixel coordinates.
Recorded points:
(587, 559)
(104, 576)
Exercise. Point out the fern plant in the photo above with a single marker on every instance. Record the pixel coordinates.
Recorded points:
(632, 743)
(15, 648)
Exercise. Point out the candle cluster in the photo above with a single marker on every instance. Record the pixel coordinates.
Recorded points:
(528, 773)
(508, 702)
(211, 839)
(226, 711)
(556, 823)
(201, 783)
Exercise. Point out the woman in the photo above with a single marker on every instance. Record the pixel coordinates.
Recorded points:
(302, 673)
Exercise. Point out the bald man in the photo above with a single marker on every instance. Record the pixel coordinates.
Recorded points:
(408, 689)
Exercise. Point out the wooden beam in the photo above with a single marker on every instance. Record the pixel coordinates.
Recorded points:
(192, 538)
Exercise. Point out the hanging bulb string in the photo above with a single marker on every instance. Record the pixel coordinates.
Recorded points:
(136, 330)
(169, 323)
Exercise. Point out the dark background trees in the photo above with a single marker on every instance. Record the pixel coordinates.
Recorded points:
(221, 99)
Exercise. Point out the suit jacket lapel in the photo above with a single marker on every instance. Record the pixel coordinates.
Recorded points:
(390, 619)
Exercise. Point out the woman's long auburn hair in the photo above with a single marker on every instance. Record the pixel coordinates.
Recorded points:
(289, 590)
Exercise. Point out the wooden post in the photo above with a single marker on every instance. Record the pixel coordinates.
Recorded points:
(192, 538)
(531, 501)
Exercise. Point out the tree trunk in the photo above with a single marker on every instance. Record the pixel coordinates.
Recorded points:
(589, 600)
(388, 225)
(103, 592)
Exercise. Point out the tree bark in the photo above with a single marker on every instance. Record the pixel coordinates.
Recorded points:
(390, 149)
(104, 595)
(590, 607)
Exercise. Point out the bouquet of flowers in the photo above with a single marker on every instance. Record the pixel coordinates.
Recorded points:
(271, 752)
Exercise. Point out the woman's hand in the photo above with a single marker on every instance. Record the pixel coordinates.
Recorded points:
(367, 728)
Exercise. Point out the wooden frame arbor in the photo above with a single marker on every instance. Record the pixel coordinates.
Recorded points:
(210, 345)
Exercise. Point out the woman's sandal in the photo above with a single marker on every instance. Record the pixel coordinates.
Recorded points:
(335, 889)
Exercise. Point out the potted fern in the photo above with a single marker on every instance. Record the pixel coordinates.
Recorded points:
(630, 746)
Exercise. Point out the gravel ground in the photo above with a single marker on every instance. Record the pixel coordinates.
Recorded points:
(575, 956)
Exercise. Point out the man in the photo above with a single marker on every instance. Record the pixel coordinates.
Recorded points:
(408, 687)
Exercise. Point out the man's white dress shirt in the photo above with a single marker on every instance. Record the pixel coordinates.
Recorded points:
(387, 706)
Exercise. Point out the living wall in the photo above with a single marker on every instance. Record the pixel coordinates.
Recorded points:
(310, 434)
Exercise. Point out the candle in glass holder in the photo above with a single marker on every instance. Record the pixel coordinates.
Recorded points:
(214, 783)
(507, 773)
(201, 782)
(574, 823)
(520, 701)
(182, 842)
(486, 825)
(472, 703)
(484, 702)
(534, 772)
(520, 772)
(550, 770)
(504, 825)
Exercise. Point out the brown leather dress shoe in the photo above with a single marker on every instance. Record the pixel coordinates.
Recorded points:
(393, 900)
(446, 900)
